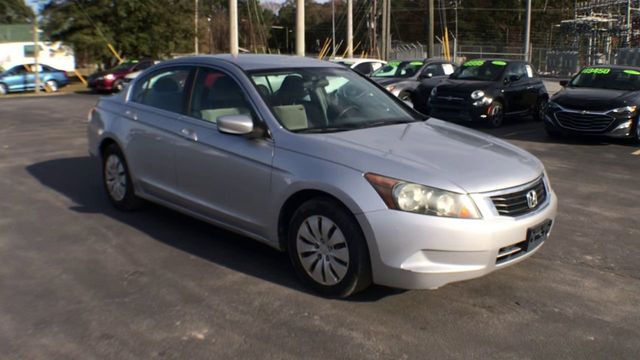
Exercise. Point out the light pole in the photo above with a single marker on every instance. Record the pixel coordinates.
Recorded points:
(195, 28)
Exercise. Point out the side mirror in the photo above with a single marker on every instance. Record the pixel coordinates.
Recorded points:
(514, 78)
(426, 76)
(564, 83)
(235, 124)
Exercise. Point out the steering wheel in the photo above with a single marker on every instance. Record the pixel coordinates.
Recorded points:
(346, 110)
(351, 92)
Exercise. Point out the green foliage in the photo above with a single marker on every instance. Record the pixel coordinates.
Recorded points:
(15, 12)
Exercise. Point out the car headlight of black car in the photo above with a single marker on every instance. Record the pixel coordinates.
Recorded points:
(552, 105)
(625, 111)
(477, 95)
(434, 91)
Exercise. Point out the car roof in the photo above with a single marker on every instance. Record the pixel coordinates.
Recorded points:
(250, 62)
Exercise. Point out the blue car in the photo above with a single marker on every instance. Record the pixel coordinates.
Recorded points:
(23, 78)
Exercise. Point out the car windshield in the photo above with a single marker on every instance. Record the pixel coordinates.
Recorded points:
(608, 78)
(480, 70)
(328, 100)
(401, 69)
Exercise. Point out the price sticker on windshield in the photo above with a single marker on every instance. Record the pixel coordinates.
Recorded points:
(597, 71)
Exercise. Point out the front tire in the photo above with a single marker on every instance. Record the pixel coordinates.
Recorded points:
(496, 115)
(116, 180)
(540, 110)
(636, 132)
(118, 86)
(3, 89)
(327, 249)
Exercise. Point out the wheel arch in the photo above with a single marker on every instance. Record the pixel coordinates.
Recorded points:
(294, 201)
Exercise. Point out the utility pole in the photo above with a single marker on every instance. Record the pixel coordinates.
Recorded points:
(300, 28)
(431, 49)
(383, 35)
(373, 34)
(333, 29)
(349, 28)
(628, 23)
(527, 33)
(36, 51)
(233, 27)
(195, 28)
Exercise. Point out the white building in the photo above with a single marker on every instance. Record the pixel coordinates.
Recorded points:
(17, 48)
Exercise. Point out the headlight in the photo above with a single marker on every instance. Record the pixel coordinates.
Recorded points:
(626, 110)
(478, 94)
(390, 88)
(421, 199)
(484, 101)
(109, 77)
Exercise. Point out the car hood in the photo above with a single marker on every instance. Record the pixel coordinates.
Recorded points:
(433, 153)
(464, 86)
(594, 99)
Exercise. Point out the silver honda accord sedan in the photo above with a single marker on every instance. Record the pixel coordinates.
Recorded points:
(313, 159)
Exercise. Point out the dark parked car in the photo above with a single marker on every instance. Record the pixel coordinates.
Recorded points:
(401, 78)
(599, 100)
(112, 80)
(485, 90)
(23, 78)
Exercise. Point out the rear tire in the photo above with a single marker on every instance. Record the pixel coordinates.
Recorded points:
(52, 85)
(117, 181)
(327, 249)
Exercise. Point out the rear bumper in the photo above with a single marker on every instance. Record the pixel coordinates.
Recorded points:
(413, 251)
(100, 84)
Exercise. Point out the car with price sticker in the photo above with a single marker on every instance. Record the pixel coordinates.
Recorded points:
(314, 159)
(487, 91)
(599, 100)
(401, 78)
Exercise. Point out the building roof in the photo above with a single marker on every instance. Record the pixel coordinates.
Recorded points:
(17, 33)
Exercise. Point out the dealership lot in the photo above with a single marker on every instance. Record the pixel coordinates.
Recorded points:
(79, 279)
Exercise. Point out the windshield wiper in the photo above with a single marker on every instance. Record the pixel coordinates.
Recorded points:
(323, 130)
(385, 123)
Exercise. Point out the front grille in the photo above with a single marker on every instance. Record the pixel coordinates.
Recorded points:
(517, 204)
(584, 121)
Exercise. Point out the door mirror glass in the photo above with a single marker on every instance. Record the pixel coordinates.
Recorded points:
(235, 124)
(514, 78)
(564, 83)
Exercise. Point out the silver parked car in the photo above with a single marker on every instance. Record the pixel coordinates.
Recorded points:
(314, 159)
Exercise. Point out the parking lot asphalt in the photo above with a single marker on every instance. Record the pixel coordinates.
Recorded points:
(80, 280)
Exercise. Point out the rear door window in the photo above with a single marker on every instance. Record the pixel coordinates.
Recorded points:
(163, 89)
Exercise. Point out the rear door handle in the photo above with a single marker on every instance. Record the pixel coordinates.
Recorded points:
(189, 134)
(130, 114)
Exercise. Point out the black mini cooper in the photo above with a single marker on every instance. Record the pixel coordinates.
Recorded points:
(484, 90)
(599, 100)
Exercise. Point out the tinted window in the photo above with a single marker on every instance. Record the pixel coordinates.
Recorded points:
(517, 69)
(608, 78)
(433, 69)
(481, 70)
(364, 68)
(403, 69)
(164, 89)
(216, 94)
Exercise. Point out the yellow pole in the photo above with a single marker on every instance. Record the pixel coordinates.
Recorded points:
(447, 55)
(113, 50)
(82, 79)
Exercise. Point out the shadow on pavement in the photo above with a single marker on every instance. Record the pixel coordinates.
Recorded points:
(182, 232)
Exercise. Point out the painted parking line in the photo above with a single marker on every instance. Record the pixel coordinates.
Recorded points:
(637, 152)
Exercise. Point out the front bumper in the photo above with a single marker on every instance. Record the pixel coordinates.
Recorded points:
(459, 112)
(617, 127)
(414, 251)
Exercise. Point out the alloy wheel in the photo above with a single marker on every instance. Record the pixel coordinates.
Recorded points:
(496, 115)
(322, 250)
(115, 178)
(52, 85)
(3, 89)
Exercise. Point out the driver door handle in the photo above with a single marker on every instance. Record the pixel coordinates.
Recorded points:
(189, 134)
